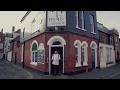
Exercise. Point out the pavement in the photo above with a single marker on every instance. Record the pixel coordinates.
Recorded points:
(10, 70)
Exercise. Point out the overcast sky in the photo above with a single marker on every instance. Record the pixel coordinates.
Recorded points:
(8, 19)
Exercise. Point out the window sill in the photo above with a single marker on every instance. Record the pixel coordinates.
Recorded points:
(77, 27)
(34, 63)
(84, 30)
(85, 64)
(78, 65)
(93, 33)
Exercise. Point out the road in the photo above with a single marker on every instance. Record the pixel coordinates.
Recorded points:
(9, 70)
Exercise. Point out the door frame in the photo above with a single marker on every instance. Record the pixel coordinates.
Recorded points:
(94, 58)
(50, 46)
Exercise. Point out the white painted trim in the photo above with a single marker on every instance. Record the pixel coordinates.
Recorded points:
(50, 42)
(34, 63)
(93, 32)
(85, 63)
(84, 42)
(77, 20)
(86, 53)
(96, 64)
(50, 56)
(63, 60)
(78, 64)
(33, 43)
(83, 20)
(84, 30)
(77, 41)
(49, 59)
(56, 38)
(93, 42)
(57, 45)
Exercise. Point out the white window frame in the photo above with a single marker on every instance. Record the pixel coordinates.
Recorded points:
(109, 50)
(85, 45)
(31, 62)
(78, 64)
(77, 19)
(83, 21)
(78, 43)
(92, 25)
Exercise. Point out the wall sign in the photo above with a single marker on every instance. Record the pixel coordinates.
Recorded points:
(40, 56)
(41, 53)
(56, 18)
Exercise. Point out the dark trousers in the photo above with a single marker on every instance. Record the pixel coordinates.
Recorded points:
(54, 70)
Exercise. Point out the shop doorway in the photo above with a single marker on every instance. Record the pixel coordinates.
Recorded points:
(60, 52)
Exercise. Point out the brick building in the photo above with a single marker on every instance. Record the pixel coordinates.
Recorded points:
(106, 47)
(73, 34)
(15, 47)
(2, 39)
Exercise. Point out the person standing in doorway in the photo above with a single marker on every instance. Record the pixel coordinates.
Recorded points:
(55, 62)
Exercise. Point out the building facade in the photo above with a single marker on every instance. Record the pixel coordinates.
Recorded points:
(2, 40)
(14, 53)
(106, 47)
(73, 34)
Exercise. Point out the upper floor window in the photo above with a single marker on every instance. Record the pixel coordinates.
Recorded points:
(104, 39)
(36, 24)
(83, 20)
(92, 24)
(77, 19)
(116, 40)
(111, 40)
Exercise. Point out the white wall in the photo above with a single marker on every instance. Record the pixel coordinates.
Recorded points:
(7, 44)
(27, 23)
(9, 55)
(103, 57)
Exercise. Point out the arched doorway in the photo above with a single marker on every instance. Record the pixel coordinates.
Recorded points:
(56, 43)
(93, 46)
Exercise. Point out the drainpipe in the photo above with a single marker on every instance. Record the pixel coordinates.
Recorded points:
(23, 52)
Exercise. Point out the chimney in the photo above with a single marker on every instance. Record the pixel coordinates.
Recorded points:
(2, 30)
(13, 30)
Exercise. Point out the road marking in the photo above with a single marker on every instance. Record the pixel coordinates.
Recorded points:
(2, 75)
(108, 76)
(113, 75)
(30, 75)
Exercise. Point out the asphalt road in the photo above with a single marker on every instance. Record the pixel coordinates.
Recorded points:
(9, 70)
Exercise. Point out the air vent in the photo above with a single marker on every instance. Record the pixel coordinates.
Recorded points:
(61, 28)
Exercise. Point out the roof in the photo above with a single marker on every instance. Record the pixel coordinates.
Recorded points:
(28, 12)
(8, 35)
(15, 39)
(102, 28)
(18, 31)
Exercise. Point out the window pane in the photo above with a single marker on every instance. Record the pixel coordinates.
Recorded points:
(76, 54)
(35, 56)
(34, 47)
(83, 54)
(32, 56)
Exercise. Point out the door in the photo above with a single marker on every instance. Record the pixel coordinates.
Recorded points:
(60, 52)
(93, 58)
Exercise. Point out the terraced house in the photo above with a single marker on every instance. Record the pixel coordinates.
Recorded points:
(106, 47)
